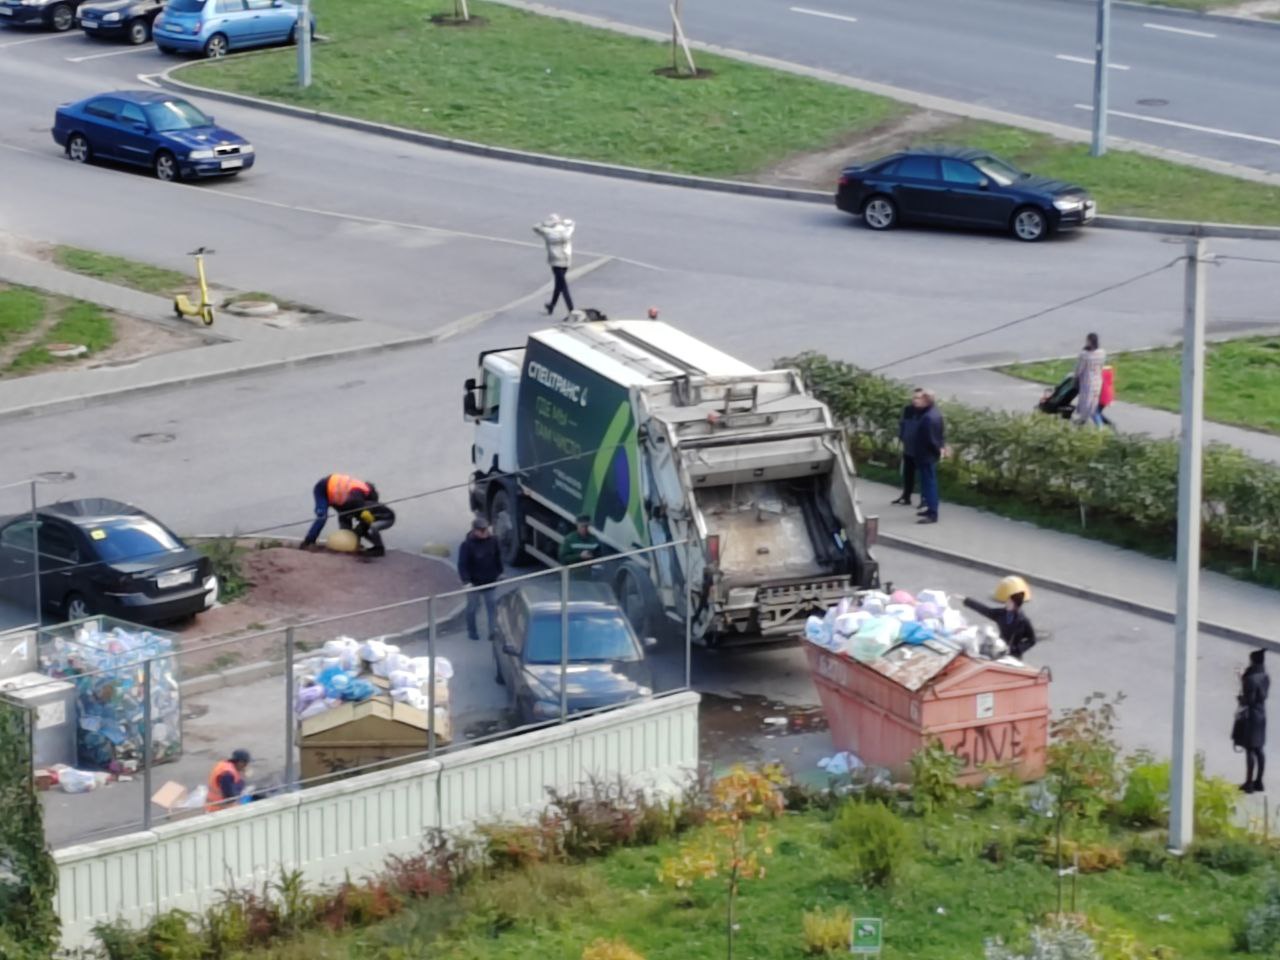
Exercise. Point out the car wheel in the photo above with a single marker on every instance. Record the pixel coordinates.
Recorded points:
(61, 17)
(76, 607)
(1029, 224)
(879, 213)
(508, 526)
(78, 148)
(216, 47)
(166, 167)
(139, 32)
(293, 33)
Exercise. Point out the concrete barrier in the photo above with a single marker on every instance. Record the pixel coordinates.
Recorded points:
(355, 824)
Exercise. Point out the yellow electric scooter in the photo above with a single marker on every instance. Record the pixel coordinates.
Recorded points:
(183, 306)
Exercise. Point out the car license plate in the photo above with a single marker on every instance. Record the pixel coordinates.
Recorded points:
(5, 12)
(89, 24)
(232, 164)
(1090, 213)
(167, 580)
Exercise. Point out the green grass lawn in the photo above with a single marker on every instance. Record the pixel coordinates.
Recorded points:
(943, 907)
(78, 322)
(120, 271)
(20, 310)
(548, 85)
(1242, 383)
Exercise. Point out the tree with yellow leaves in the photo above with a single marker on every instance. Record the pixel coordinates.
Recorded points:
(741, 803)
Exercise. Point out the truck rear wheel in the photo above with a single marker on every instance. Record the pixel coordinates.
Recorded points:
(637, 599)
(507, 520)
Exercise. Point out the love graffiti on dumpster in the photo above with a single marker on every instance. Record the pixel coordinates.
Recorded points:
(996, 743)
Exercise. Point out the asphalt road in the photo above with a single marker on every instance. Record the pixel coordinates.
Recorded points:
(1201, 86)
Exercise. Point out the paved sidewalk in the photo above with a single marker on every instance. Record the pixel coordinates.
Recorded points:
(1240, 611)
(234, 345)
(997, 391)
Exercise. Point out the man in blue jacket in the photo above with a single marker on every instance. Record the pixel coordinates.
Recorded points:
(480, 565)
(929, 445)
(907, 434)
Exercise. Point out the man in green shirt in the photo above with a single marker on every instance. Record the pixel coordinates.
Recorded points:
(580, 545)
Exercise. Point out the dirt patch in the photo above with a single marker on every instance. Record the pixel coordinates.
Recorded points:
(1253, 10)
(820, 169)
(291, 586)
(452, 20)
(674, 73)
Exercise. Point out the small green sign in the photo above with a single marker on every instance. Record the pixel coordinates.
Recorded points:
(868, 936)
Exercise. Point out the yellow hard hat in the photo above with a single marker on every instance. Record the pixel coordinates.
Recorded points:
(1010, 585)
(342, 541)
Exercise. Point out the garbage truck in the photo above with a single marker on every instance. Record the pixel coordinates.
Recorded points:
(659, 439)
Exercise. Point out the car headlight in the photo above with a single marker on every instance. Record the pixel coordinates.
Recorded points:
(644, 692)
(200, 155)
(246, 148)
(1068, 203)
(111, 17)
(545, 710)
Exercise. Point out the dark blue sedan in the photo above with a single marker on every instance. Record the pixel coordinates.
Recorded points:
(150, 128)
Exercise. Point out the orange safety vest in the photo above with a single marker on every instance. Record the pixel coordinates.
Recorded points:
(340, 487)
(215, 801)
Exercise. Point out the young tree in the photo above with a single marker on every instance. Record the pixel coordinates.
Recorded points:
(742, 801)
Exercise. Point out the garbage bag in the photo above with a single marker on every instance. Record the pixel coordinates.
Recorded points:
(938, 598)
(77, 781)
(901, 596)
(904, 612)
(359, 689)
(841, 764)
(915, 633)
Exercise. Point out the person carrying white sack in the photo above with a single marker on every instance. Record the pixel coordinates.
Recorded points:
(557, 234)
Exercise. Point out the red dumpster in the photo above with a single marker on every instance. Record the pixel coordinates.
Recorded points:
(986, 712)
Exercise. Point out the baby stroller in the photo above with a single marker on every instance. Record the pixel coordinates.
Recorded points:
(1058, 401)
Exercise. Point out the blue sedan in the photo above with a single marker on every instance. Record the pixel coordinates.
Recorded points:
(150, 128)
(216, 27)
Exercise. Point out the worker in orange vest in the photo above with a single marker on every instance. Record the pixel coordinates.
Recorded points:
(346, 495)
(226, 781)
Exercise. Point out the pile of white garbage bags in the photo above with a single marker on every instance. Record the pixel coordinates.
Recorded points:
(870, 625)
(348, 670)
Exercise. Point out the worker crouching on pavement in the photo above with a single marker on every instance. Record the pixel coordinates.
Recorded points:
(1015, 628)
(226, 781)
(370, 521)
(347, 496)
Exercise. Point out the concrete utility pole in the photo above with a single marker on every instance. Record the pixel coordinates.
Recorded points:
(303, 36)
(1101, 53)
(1182, 777)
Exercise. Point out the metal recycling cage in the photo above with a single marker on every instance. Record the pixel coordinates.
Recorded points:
(987, 712)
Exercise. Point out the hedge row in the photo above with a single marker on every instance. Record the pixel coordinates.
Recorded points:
(1049, 463)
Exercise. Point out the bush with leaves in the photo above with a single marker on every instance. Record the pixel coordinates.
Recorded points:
(1145, 800)
(1084, 758)
(28, 874)
(872, 840)
(1124, 481)
(1259, 932)
(934, 770)
(826, 932)
(1061, 941)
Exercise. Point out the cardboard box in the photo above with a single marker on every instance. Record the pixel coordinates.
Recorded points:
(169, 796)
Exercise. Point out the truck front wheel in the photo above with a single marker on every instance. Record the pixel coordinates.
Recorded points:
(507, 520)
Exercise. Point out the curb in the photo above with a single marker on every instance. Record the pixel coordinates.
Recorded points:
(1204, 16)
(1073, 590)
(106, 396)
(639, 174)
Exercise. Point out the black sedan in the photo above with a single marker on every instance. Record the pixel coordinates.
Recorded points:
(961, 187)
(104, 557)
(55, 14)
(605, 665)
(119, 19)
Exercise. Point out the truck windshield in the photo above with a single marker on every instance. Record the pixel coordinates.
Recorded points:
(593, 636)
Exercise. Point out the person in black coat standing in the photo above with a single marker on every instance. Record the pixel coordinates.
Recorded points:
(480, 565)
(928, 446)
(1250, 731)
(907, 434)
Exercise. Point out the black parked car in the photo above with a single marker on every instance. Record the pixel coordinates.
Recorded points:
(964, 188)
(104, 557)
(127, 19)
(606, 662)
(55, 14)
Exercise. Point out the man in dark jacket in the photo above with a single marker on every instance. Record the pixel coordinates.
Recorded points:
(1250, 731)
(907, 434)
(928, 446)
(479, 565)
(579, 546)
(1015, 628)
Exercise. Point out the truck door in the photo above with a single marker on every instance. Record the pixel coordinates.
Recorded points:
(488, 436)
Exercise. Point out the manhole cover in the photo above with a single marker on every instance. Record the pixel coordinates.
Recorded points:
(56, 476)
(1153, 102)
(151, 439)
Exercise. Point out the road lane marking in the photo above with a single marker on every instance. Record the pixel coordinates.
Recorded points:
(1089, 61)
(18, 43)
(109, 53)
(1186, 126)
(148, 79)
(823, 13)
(1183, 30)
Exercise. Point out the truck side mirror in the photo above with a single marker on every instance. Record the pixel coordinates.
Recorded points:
(469, 385)
(469, 406)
